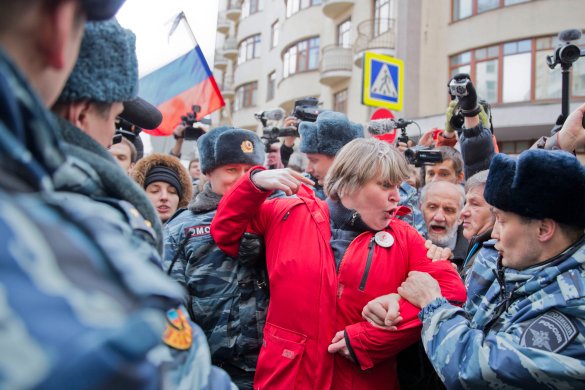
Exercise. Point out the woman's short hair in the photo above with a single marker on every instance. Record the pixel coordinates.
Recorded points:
(361, 161)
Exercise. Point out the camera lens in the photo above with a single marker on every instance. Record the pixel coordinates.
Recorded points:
(569, 53)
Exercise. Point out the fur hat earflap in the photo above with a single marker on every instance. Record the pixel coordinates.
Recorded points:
(328, 134)
(144, 165)
(538, 184)
(106, 69)
(229, 145)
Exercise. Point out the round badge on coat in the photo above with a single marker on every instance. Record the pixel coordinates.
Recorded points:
(384, 239)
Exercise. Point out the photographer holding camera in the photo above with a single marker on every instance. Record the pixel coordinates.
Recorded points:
(190, 129)
(476, 139)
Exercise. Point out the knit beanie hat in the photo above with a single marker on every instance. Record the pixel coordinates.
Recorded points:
(164, 174)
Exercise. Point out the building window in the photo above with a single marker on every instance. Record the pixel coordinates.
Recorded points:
(344, 34)
(383, 13)
(340, 101)
(302, 56)
(246, 96)
(465, 8)
(250, 7)
(514, 147)
(294, 6)
(271, 86)
(249, 49)
(517, 71)
(274, 29)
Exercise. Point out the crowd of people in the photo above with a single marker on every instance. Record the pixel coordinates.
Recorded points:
(348, 269)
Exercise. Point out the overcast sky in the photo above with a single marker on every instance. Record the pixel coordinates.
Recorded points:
(151, 21)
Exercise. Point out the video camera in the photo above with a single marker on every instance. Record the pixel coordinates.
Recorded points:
(192, 132)
(270, 134)
(306, 109)
(568, 53)
(419, 156)
(565, 55)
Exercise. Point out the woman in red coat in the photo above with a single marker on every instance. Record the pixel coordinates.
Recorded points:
(326, 260)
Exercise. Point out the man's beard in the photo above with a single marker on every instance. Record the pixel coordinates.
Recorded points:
(446, 240)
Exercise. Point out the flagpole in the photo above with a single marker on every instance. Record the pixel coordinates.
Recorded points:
(178, 18)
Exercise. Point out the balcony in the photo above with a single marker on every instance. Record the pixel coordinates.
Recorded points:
(230, 48)
(233, 10)
(333, 8)
(220, 61)
(336, 64)
(223, 24)
(227, 88)
(377, 35)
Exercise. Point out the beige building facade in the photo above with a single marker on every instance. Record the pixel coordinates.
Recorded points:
(273, 52)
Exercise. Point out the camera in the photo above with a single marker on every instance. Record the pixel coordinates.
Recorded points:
(306, 109)
(567, 53)
(458, 88)
(419, 156)
(270, 134)
(192, 133)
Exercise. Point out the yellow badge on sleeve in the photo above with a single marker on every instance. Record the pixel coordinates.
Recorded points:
(178, 333)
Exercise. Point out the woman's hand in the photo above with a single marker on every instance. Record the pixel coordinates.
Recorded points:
(286, 180)
(383, 312)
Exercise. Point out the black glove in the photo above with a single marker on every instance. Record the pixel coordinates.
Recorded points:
(251, 249)
(461, 87)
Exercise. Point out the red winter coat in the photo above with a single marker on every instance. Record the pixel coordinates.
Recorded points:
(310, 301)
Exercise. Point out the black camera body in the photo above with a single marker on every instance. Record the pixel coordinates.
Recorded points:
(192, 132)
(419, 156)
(306, 109)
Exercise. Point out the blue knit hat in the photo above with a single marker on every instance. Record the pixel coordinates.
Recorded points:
(538, 184)
(229, 145)
(328, 134)
(107, 71)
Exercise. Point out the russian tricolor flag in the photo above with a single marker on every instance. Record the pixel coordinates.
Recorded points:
(177, 86)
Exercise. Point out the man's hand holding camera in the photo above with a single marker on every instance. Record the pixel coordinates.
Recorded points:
(461, 88)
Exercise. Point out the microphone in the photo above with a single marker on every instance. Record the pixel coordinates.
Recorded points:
(569, 35)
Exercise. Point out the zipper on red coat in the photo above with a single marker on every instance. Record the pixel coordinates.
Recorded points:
(368, 264)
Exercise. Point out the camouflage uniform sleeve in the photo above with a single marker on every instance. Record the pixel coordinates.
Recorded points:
(465, 357)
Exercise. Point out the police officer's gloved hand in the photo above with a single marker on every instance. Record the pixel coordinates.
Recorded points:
(468, 99)
(251, 249)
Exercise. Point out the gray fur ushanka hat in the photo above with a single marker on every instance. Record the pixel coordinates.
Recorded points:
(229, 145)
(328, 134)
(106, 69)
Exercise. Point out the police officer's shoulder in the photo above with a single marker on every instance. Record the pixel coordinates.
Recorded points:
(130, 214)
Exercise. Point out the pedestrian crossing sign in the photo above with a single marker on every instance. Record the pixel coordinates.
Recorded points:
(383, 81)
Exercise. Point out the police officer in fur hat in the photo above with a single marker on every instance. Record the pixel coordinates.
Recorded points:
(103, 85)
(228, 296)
(524, 321)
(322, 139)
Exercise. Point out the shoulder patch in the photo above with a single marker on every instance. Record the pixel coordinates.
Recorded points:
(197, 231)
(551, 332)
